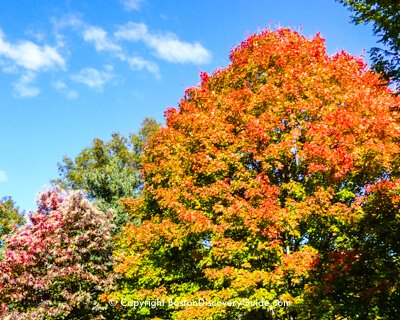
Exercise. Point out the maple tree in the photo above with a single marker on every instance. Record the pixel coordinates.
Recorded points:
(57, 266)
(261, 187)
(360, 279)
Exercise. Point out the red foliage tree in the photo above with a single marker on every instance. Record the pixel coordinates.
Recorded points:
(252, 186)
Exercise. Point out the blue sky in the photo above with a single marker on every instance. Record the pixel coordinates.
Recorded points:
(73, 70)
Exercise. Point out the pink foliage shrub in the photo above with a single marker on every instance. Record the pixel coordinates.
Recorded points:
(58, 266)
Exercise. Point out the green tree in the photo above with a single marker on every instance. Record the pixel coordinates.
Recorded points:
(385, 18)
(109, 171)
(10, 217)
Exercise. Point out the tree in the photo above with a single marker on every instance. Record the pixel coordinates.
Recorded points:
(109, 171)
(257, 186)
(361, 281)
(10, 217)
(385, 17)
(57, 266)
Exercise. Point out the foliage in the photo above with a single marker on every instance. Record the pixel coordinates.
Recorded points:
(257, 189)
(10, 217)
(385, 17)
(57, 266)
(109, 171)
(361, 279)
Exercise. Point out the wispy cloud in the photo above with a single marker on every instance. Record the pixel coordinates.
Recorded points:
(102, 42)
(23, 87)
(63, 88)
(93, 78)
(100, 39)
(29, 55)
(3, 177)
(138, 63)
(26, 59)
(131, 5)
(166, 46)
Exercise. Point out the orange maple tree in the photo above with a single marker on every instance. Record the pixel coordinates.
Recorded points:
(253, 186)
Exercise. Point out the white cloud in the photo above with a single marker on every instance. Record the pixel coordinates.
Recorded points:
(138, 63)
(171, 49)
(93, 78)
(63, 88)
(101, 41)
(23, 87)
(133, 32)
(29, 55)
(3, 177)
(67, 21)
(131, 5)
(166, 46)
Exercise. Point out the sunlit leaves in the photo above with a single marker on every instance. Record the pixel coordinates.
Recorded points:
(109, 170)
(256, 186)
(385, 19)
(58, 265)
(10, 217)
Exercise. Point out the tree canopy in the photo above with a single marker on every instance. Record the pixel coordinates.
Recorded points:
(272, 192)
(265, 186)
(59, 265)
(385, 18)
(10, 217)
(109, 171)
